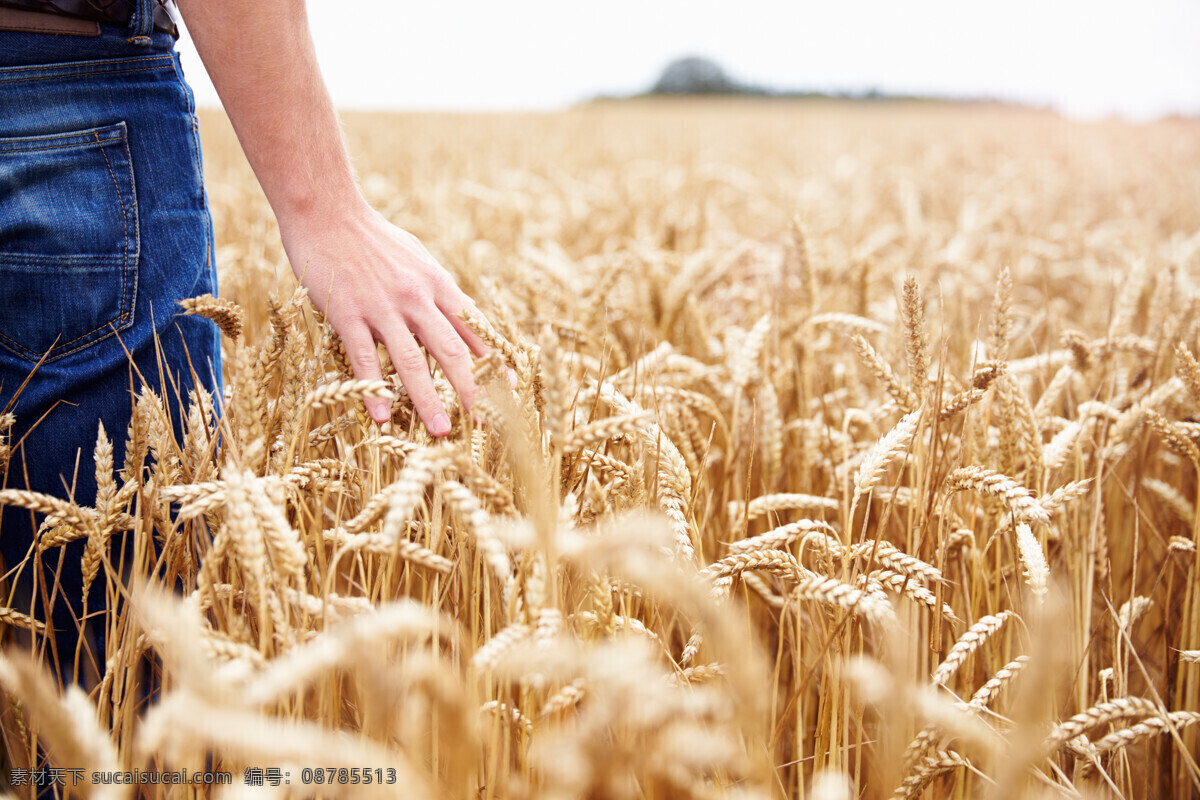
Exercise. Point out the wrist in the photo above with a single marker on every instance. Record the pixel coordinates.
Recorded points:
(316, 228)
(318, 202)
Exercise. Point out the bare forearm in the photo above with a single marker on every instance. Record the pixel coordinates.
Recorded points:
(374, 281)
(261, 59)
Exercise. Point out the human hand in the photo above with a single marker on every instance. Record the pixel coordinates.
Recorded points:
(377, 283)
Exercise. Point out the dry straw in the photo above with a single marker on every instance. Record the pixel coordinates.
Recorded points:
(683, 393)
(227, 314)
(1099, 714)
(890, 447)
(970, 641)
(990, 483)
(775, 503)
(1033, 557)
(984, 694)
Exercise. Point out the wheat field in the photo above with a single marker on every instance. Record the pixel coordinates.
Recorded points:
(852, 452)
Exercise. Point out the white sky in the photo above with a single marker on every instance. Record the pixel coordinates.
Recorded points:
(1139, 58)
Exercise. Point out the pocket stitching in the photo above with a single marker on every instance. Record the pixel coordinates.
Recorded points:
(76, 139)
(126, 314)
(56, 77)
(100, 62)
(125, 219)
(16, 260)
(55, 147)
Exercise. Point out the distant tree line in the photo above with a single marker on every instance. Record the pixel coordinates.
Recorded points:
(697, 75)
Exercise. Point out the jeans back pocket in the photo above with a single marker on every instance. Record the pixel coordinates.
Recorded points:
(69, 241)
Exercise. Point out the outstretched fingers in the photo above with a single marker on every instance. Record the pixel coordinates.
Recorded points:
(447, 344)
(413, 369)
(453, 309)
(364, 360)
(452, 346)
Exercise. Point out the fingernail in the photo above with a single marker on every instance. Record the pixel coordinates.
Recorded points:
(440, 425)
(512, 377)
(379, 410)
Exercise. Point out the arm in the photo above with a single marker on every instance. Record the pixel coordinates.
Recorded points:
(373, 281)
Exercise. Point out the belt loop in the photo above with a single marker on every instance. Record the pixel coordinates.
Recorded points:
(141, 23)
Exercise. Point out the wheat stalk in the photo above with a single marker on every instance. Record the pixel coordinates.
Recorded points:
(227, 314)
(990, 483)
(1099, 714)
(890, 446)
(970, 641)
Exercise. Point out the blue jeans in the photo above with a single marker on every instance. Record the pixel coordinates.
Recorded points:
(104, 227)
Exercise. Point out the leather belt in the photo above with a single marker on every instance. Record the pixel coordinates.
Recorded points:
(116, 12)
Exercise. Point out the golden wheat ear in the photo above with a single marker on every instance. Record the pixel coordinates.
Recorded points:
(228, 315)
(837, 460)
